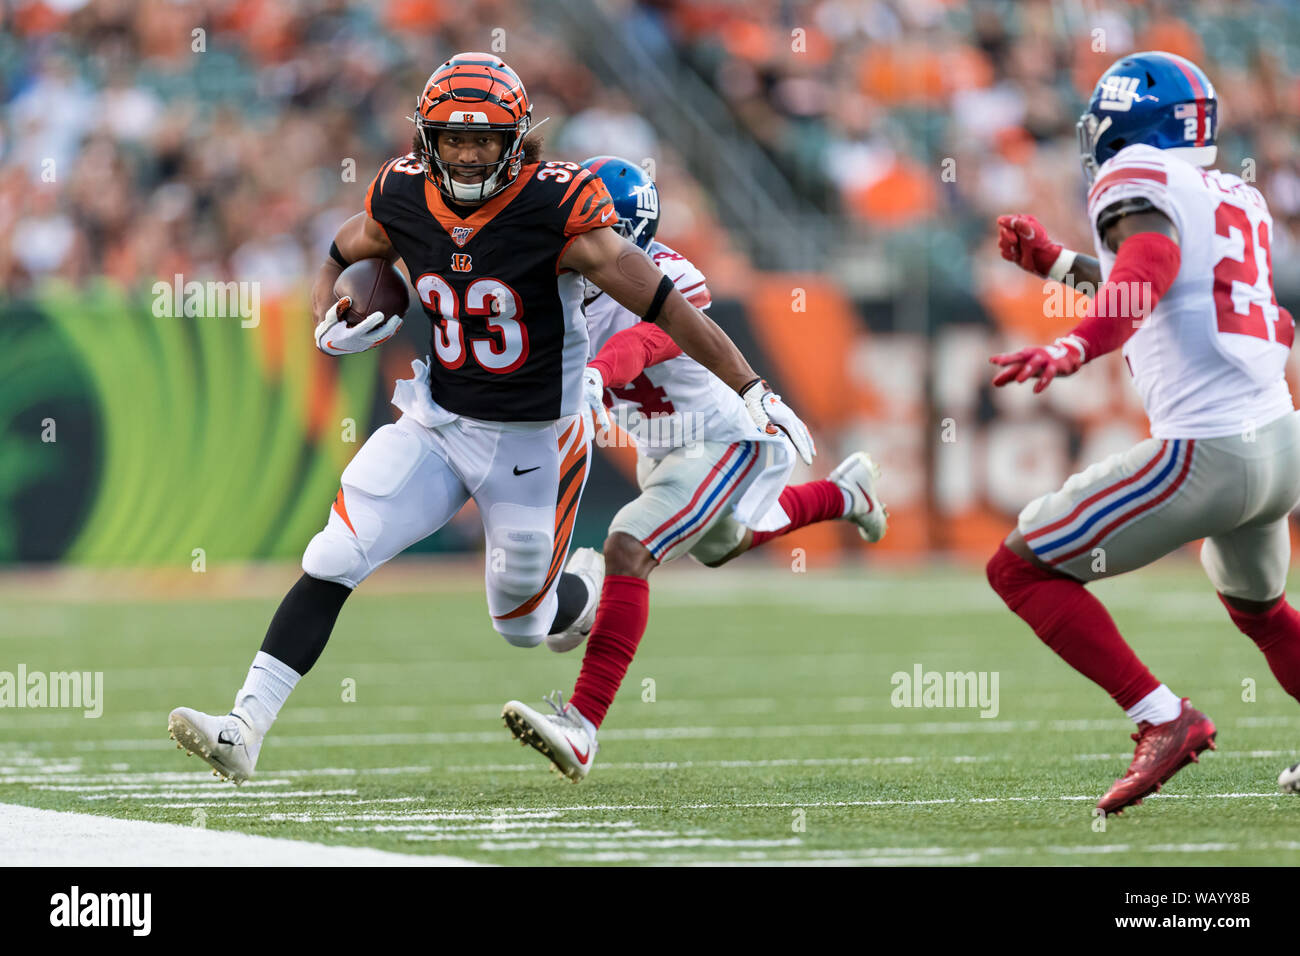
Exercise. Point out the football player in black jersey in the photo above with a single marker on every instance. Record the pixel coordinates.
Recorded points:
(496, 243)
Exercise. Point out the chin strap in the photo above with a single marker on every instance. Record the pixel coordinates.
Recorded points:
(481, 197)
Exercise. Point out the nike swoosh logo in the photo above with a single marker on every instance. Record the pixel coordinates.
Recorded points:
(871, 505)
(526, 470)
(608, 213)
(582, 757)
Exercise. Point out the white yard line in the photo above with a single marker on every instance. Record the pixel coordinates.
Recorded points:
(903, 760)
(681, 732)
(649, 844)
(34, 837)
(327, 812)
(433, 712)
(226, 792)
(687, 732)
(71, 776)
(918, 856)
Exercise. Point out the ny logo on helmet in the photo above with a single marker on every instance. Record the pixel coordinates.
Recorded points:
(647, 200)
(1120, 93)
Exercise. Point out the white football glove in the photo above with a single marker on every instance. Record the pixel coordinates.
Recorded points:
(770, 413)
(334, 337)
(593, 390)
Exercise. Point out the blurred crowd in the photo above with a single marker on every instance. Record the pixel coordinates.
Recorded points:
(870, 102)
(229, 138)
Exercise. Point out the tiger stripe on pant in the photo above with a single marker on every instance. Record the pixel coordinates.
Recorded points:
(573, 476)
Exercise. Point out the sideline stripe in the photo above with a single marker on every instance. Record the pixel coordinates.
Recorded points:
(35, 837)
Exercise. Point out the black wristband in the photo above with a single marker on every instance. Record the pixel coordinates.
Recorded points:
(661, 293)
(753, 381)
(338, 256)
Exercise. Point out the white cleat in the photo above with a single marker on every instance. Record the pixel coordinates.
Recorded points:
(1288, 781)
(858, 475)
(561, 737)
(588, 564)
(229, 742)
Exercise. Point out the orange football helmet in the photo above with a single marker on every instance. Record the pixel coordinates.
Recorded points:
(473, 92)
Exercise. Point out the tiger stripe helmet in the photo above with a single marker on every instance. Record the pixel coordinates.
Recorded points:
(473, 92)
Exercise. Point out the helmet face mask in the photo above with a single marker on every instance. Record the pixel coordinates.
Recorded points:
(631, 231)
(494, 175)
(473, 93)
(1089, 130)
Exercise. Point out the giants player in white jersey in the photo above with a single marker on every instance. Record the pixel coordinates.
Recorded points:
(712, 485)
(1184, 286)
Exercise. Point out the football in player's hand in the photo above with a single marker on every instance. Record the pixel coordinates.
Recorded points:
(373, 285)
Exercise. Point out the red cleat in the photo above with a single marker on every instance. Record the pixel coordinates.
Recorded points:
(1162, 750)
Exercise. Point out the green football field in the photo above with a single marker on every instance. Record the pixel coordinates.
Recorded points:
(756, 726)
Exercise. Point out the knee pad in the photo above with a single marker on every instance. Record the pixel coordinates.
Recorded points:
(528, 630)
(1260, 582)
(521, 547)
(520, 551)
(335, 555)
(718, 542)
(519, 640)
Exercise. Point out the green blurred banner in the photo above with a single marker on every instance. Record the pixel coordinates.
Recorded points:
(130, 438)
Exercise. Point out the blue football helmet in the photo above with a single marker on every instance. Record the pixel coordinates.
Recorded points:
(636, 199)
(1155, 98)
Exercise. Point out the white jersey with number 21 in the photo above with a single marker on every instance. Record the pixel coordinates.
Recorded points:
(1210, 359)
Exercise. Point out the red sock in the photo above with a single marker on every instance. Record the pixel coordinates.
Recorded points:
(1073, 623)
(1277, 632)
(806, 504)
(620, 623)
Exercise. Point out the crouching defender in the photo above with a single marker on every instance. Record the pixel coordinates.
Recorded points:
(1188, 294)
(712, 485)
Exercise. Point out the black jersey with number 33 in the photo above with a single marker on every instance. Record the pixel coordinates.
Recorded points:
(509, 337)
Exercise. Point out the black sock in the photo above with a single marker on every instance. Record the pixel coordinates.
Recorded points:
(303, 622)
(572, 593)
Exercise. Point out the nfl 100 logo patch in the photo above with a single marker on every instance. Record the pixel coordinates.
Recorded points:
(460, 234)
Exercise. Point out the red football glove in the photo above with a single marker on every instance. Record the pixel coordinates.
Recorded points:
(1023, 240)
(1044, 362)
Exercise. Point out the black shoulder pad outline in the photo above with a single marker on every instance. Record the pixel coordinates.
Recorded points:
(1121, 208)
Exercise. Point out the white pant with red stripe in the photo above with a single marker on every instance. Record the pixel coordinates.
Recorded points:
(409, 479)
(688, 498)
(1125, 512)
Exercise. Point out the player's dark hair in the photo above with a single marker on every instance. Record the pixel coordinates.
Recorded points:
(533, 149)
